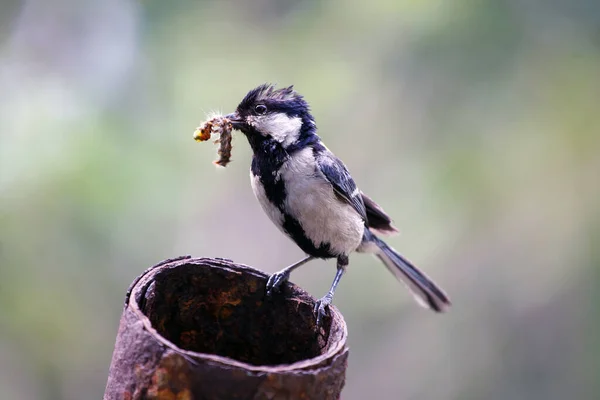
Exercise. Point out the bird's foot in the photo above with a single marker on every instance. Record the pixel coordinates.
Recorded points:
(276, 280)
(321, 307)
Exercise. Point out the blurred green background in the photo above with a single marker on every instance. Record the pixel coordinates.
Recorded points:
(475, 124)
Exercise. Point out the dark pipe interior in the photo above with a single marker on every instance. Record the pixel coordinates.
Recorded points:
(225, 312)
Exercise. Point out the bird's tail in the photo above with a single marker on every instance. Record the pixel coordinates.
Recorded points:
(427, 293)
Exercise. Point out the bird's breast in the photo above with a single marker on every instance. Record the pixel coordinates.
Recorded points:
(266, 200)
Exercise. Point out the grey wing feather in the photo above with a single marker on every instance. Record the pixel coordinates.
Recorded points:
(336, 173)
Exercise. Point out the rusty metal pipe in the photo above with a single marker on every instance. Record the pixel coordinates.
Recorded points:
(202, 328)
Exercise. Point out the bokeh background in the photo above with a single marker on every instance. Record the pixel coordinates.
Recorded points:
(475, 124)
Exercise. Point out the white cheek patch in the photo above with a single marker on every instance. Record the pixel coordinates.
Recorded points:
(282, 128)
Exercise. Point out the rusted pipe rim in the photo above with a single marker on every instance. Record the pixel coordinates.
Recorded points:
(139, 286)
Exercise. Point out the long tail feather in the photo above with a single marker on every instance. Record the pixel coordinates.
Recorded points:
(427, 293)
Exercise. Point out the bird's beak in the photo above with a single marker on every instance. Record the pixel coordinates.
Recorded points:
(236, 121)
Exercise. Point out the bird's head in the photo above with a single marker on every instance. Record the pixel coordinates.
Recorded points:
(282, 115)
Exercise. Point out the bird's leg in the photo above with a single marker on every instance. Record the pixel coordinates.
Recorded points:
(325, 301)
(280, 277)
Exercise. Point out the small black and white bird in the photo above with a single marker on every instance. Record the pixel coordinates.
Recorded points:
(310, 196)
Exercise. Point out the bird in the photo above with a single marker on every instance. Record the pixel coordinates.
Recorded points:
(309, 194)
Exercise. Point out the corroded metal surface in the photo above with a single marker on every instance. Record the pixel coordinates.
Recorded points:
(204, 329)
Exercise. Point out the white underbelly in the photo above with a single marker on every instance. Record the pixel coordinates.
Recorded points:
(310, 200)
(324, 218)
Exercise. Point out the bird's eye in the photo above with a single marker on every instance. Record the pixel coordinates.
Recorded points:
(260, 109)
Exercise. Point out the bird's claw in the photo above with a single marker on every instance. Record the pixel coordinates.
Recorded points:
(275, 281)
(321, 308)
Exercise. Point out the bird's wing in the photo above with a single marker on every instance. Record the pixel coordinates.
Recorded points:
(377, 218)
(344, 187)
